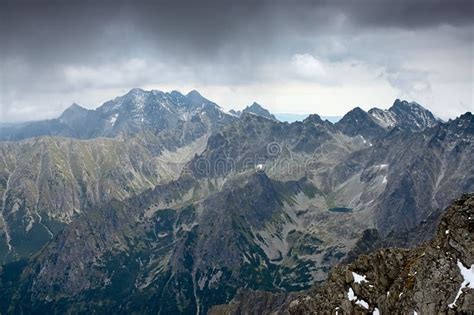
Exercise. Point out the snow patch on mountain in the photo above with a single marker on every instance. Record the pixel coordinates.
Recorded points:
(113, 119)
(468, 281)
(384, 118)
(354, 298)
(358, 278)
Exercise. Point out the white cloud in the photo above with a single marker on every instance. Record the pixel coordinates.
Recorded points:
(130, 71)
(307, 67)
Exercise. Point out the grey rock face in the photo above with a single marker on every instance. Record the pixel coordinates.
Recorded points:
(427, 166)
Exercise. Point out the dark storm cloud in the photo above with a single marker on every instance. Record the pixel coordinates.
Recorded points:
(48, 29)
(409, 14)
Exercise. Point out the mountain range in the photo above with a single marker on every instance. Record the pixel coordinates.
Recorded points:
(130, 114)
(164, 203)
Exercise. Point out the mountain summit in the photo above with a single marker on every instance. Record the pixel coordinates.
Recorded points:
(254, 109)
(73, 112)
(406, 115)
(377, 122)
(257, 109)
(196, 97)
(359, 122)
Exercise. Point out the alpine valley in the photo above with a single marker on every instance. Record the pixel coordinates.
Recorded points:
(164, 203)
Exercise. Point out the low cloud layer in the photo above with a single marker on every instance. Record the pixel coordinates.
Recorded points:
(310, 56)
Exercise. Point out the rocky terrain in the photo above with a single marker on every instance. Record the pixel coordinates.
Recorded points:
(434, 278)
(171, 205)
(46, 181)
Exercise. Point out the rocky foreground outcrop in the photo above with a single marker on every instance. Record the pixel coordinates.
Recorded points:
(435, 278)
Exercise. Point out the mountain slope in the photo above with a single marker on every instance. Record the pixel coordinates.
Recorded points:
(428, 279)
(423, 169)
(194, 246)
(47, 182)
(433, 278)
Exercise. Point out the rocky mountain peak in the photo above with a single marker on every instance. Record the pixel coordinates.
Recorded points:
(74, 108)
(359, 122)
(256, 106)
(412, 116)
(465, 121)
(257, 109)
(404, 115)
(136, 91)
(356, 116)
(459, 130)
(468, 116)
(73, 112)
(195, 97)
(176, 94)
(403, 104)
(314, 118)
(399, 102)
(133, 99)
(194, 93)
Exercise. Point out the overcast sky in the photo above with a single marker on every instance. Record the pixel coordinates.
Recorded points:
(322, 57)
